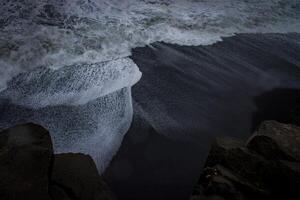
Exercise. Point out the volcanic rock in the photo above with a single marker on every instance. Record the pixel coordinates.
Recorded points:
(25, 157)
(77, 174)
(265, 167)
(30, 171)
(275, 140)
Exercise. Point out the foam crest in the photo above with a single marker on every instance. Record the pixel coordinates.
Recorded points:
(64, 63)
(61, 33)
(43, 87)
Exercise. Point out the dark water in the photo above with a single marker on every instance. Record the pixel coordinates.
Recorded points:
(190, 95)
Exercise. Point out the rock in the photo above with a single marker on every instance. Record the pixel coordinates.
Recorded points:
(223, 182)
(58, 193)
(220, 148)
(25, 157)
(77, 174)
(232, 154)
(265, 167)
(291, 178)
(30, 171)
(252, 175)
(275, 140)
(202, 197)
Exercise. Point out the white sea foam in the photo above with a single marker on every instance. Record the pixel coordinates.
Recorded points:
(65, 62)
(71, 85)
(59, 33)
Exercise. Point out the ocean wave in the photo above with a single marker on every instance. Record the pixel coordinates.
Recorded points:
(64, 63)
(57, 33)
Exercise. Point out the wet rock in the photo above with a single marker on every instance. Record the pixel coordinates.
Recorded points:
(25, 157)
(58, 193)
(202, 197)
(265, 167)
(78, 175)
(290, 178)
(275, 140)
(30, 171)
(233, 155)
(223, 182)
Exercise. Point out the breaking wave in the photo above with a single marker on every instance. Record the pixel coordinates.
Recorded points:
(56, 33)
(64, 63)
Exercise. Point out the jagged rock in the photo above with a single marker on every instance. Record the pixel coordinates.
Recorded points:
(221, 181)
(30, 171)
(291, 178)
(252, 174)
(25, 157)
(275, 140)
(58, 193)
(265, 167)
(232, 154)
(202, 197)
(221, 148)
(77, 174)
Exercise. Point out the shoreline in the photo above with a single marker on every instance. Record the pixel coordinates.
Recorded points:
(196, 93)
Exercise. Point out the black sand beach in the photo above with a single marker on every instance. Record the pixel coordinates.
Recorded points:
(190, 95)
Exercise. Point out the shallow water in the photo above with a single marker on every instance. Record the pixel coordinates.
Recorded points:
(190, 95)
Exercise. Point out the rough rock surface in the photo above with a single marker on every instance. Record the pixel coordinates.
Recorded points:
(25, 157)
(78, 174)
(275, 140)
(265, 167)
(30, 171)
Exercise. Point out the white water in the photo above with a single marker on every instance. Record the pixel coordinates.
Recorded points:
(72, 52)
(57, 33)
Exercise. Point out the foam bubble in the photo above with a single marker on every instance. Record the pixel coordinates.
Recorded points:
(61, 33)
(43, 87)
(64, 64)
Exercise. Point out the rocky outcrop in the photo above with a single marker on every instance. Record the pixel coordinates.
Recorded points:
(25, 158)
(275, 140)
(30, 171)
(266, 166)
(78, 173)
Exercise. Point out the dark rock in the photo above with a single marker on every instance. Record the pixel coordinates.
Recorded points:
(58, 193)
(275, 140)
(30, 171)
(25, 157)
(223, 182)
(291, 178)
(232, 154)
(77, 174)
(220, 148)
(266, 167)
(252, 175)
(202, 197)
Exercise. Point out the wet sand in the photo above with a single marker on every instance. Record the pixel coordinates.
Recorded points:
(190, 95)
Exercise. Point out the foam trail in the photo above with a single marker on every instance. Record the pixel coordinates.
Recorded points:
(71, 85)
(59, 33)
(65, 64)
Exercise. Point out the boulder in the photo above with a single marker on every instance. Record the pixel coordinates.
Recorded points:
(225, 183)
(276, 141)
(252, 175)
(25, 158)
(58, 193)
(30, 171)
(290, 178)
(233, 155)
(77, 174)
(265, 167)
